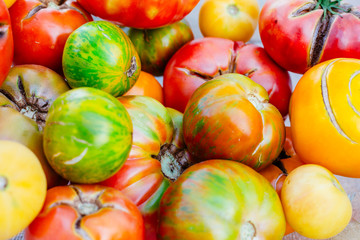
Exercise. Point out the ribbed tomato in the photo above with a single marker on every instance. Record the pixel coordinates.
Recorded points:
(6, 42)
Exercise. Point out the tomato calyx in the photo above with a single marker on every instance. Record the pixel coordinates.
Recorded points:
(3, 183)
(329, 6)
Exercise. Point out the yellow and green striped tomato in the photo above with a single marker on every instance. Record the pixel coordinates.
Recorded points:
(87, 136)
(99, 54)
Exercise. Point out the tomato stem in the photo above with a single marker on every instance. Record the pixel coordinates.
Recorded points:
(329, 6)
(3, 183)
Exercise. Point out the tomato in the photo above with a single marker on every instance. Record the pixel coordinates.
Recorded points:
(324, 116)
(156, 46)
(315, 204)
(9, 3)
(203, 59)
(157, 157)
(218, 200)
(87, 135)
(231, 19)
(147, 85)
(86, 212)
(140, 13)
(25, 97)
(6, 42)
(41, 29)
(22, 188)
(99, 54)
(229, 117)
(301, 33)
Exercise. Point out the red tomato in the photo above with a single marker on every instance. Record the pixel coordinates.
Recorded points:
(298, 34)
(41, 29)
(6, 42)
(204, 59)
(86, 212)
(140, 13)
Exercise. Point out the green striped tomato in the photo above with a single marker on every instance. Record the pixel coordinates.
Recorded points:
(87, 135)
(99, 54)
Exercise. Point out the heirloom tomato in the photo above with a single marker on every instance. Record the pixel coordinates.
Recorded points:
(324, 116)
(147, 85)
(87, 135)
(140, 13)
(77, 212)
(231, 19)
(314, 202)
(298, 34)
(22, 188)
(201, 60)
(99, 54)
(157, 157)
(230, 117)
(25, 97)
(41, 28)
(9, 3)
(6, 42)
(156, 46)
(219, 200)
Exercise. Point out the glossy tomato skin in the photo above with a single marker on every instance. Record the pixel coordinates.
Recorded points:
(230, 118)
(140, 13)
(41, 30)
(218, 200)
(288, 30)
(324, 116)
(203, 59)
(86, 212)
(6, 42)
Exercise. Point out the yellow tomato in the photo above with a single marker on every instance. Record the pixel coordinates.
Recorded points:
(9, 3)
(314, 202)
(22, 188)
(231, 19)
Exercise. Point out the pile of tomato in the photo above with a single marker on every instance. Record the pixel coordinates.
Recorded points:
(92, 146)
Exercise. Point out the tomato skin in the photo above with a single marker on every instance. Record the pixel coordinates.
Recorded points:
(203, 59)
(40, 38)
(215, 199)
(140, 13)
(324, 117)
(6, 42)
(62, 209)
(229, 117)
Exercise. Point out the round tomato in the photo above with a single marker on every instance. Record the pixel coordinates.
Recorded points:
(22, 188)
(41, 29)
(203, 59)
(235, 20)
(314, 202)
(147, 85)
(87, 135)
(324, 116)
(156, 46)
(99, 54)
(86, 212)
(299, 34)
(6, 42)
(218, 200)
(230, 117)
(157, 157)
(140, 13)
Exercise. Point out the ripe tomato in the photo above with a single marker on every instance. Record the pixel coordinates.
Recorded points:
(298, 34)
(86, 212)
(22, 188)
(314, 202)
(41, 29)
(324, 116)
(147, 85)
(6, 42)
(218, 200)
(230, 117)
(9, 3)
(201, 60)
(234, 20)
(140, 13)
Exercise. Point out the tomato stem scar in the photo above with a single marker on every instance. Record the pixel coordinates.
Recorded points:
(3, 183)
(233, 9)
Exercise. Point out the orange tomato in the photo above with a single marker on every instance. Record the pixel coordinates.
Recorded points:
(231, 19)
(9, 3)
(325, 116)
(147, 85)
